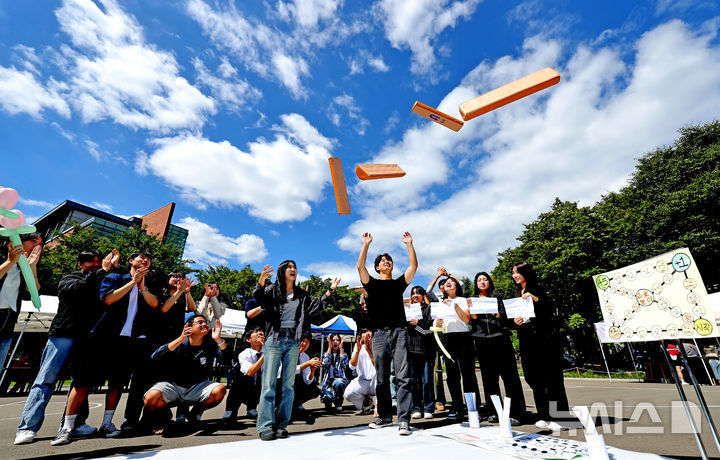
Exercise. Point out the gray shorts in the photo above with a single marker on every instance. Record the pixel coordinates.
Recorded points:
(174, 394)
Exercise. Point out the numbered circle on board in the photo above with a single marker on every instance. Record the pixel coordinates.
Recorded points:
(668, 278)
(656, 331)
(664, 304)
(689, 284)
(612, 289)
(641, 332)
(631, 275)
(703, 326)
(646, 270)
(676, 312)
(672, 330)
(622, 291)
(693, 298)
(699, 310)
(644, 297)
(636, 307)
(607, 295)
(688, 317)
(657, 288)
(681, 262)
(613, 318)
(629, 315)
(614, 333)
(627, 332)
(631, 293)
(688, 329)
(602, 282)
(609, 307)
(661, 266)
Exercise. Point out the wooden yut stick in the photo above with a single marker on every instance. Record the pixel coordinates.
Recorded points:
(511, 92)
(437, 116)
(338, 178)
(378, 171)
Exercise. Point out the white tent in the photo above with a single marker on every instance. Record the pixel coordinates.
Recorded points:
(233, 323)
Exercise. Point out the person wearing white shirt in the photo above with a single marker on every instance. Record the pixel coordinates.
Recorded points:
(246, 386)
(460, 347)
(305, 387)
(361, 389)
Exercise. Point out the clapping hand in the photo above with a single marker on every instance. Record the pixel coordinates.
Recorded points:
(216, 331)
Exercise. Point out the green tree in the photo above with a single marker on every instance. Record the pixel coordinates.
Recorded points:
(60, 256)
(236, 286)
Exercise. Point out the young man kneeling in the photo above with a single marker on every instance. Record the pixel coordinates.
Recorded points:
(186, 363)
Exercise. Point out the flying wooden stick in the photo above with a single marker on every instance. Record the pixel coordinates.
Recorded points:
(378, 171)
(437, 116)
(511, 92)
(338, 178)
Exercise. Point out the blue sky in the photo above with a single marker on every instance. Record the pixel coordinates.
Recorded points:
(231, 110)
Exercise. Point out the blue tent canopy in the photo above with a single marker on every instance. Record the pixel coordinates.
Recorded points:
(338, 325)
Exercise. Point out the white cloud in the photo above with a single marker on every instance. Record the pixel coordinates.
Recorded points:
(415, 24)
(114, 74)
(234, 92)
(272, 52)
(289, 70)
(206, 245)
(308, 13)
(22, 92)
(348, 273)
(38, 203)
(276, 180)
(365, 58)
(348, 104)
(576, 141)
(102, 206)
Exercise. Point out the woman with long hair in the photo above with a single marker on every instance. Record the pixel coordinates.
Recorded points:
(540, 352)
(421, 349)
(288, 311)
(495, 351)
(460, 347)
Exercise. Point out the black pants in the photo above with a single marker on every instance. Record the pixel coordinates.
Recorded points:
(497, 359)
(542, 366)
(460, 347)
(243, 390)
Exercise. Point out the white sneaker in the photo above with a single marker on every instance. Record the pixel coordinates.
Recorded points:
(62, 438)
(416, 415)
(404, 429)
(542, 424)
(83, 430)
(556, 426)
(428, 415)
(25, 437)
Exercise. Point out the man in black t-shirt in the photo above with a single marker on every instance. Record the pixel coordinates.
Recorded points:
(386, 315)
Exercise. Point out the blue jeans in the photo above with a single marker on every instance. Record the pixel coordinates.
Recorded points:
(53, 359)
(390, 345)
(715, 366)
(4, 349)
(334, 393)
(285, 351)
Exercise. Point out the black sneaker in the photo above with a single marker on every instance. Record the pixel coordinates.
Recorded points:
(281, 433)
(453, 416)
(62, 438)
(380, 423)
(268, 435)
(493, 419)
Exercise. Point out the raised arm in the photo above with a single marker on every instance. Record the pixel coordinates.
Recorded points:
(440, 272)
(362, 260)
(412, 268)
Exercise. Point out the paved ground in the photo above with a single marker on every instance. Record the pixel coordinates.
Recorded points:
(639, 416)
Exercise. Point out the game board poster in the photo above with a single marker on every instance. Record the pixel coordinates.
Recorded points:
(659, 298)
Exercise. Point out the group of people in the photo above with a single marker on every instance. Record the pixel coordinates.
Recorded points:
(114, 330)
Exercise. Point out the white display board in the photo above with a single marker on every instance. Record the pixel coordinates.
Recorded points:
(659, 298)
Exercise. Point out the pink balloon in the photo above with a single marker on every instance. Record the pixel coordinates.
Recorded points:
(13, 223)
(8, 197)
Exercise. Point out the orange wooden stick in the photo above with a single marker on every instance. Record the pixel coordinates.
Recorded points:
(511, 92)
(437, 116)
(378, 171)
(338, 178)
